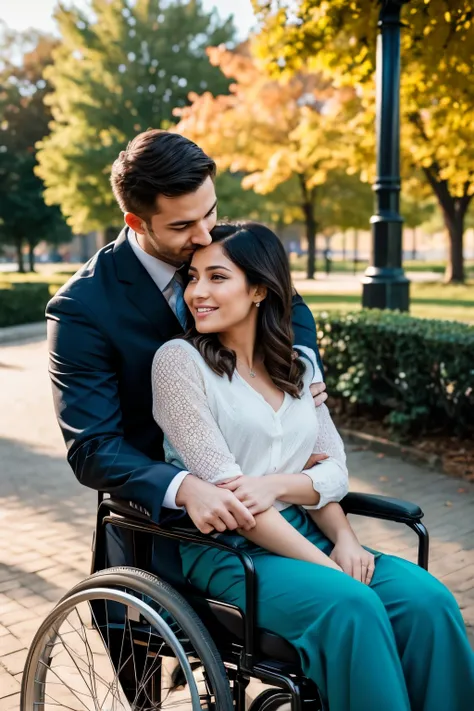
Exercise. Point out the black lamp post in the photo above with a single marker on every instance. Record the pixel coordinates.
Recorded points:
(385, 285)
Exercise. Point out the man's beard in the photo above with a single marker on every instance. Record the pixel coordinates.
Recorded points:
(160, 253)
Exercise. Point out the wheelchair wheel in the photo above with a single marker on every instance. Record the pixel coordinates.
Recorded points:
(271, 700)
(118, 641)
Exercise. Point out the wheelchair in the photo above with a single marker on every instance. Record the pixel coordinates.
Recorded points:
(126, 640)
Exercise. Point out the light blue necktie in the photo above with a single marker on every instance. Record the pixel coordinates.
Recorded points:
(180, 306)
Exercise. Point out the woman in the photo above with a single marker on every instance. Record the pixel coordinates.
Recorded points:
(373, 631)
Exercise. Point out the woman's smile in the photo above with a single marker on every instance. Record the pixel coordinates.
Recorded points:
(201, 312)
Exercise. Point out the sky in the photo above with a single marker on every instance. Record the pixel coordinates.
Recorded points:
(21, 14)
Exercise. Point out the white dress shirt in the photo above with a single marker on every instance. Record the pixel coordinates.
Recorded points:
(162, 274)
(220, 428)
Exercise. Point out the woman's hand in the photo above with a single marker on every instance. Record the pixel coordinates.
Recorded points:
(353, 559)
(258, 494)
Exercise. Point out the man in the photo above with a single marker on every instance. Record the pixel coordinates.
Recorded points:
(106, 323)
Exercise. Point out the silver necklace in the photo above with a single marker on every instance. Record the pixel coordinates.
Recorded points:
(252, 372)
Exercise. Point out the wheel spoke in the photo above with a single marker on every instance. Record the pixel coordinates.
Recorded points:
(67, 685)
(125, 663)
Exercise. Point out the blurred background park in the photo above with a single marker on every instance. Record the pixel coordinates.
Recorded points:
(298, 102)
(283, 95)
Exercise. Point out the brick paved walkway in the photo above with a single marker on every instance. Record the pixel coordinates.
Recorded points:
(46, 517)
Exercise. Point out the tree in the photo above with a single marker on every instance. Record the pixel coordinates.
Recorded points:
(437, 92)
(24, 216)
(277, 132)
(238, 203)
(119, 70)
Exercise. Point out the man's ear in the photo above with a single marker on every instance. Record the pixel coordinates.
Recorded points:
(135, 223)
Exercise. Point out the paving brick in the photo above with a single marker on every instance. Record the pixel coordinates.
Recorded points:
(10, 703)
(32, 600)
(3, 631)
(459, 580)
(19, 615)
(9, 643)
(8, 684)
(8, 585)
(9, 606)
(452, 563)
(14, 662)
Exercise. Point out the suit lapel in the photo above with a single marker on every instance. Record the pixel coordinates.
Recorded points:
(142, 290)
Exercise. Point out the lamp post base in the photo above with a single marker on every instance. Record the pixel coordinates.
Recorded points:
(385, 289)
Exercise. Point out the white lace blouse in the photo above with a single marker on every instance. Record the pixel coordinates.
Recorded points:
(219, 429)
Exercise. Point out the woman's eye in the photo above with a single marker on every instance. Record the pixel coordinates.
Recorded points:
(192, 279)
(217, 277)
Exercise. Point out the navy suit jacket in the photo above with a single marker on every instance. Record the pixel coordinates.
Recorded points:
(104, 328)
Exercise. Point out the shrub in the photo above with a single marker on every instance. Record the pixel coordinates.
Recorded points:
(418, 372)
(23, 303)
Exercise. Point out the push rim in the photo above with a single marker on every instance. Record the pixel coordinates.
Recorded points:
(84, 686)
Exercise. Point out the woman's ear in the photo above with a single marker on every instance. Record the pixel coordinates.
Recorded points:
(260, 293)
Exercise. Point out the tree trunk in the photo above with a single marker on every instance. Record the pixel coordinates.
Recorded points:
(356, 250)
(344, 246)
(327, 259)
(310, 224)
(413, 246)
(454, 212)
(308, 205)
(19, 254)
(454, 273)
(31, 257)
(101, 238)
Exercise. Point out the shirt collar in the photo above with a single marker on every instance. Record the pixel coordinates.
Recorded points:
(160, 272)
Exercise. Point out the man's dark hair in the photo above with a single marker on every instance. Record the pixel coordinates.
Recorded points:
(158, 163)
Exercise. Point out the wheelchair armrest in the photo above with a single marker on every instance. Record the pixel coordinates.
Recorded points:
(134, 513)
(383, 507)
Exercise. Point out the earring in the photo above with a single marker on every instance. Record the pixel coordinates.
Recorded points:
(257, 304)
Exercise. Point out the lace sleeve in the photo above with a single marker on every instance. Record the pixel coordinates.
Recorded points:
(181, 409)
(330, 478)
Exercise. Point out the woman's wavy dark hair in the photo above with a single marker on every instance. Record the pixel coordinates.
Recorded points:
(258, 252)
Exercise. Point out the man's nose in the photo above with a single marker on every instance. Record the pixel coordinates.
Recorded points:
(201, 236)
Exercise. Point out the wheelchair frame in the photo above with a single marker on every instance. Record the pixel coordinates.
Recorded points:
(243, 656)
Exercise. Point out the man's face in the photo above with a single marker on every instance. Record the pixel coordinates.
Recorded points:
(180, 225)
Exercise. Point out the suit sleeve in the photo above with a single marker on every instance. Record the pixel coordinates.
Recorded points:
(304, 328)
(87, 404)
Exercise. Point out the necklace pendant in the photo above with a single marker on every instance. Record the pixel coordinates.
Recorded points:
(252, 374)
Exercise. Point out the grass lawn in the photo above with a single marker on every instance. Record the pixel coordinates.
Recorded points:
(298, 264)
(433, 300)
(428, 300)
(47, 273)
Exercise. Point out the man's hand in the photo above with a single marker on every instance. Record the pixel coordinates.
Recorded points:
(315, 459)
(258, 494)
(318, 391)
(212, 508)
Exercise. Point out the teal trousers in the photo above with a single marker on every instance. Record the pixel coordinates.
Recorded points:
(398, 645)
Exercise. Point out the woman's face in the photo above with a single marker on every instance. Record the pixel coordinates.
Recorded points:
(218, 294)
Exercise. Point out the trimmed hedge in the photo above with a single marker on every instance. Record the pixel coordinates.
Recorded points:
(23, 303)
(419, 373)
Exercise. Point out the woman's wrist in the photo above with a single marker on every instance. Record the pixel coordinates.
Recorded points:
(345, 534)
(278, 484)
